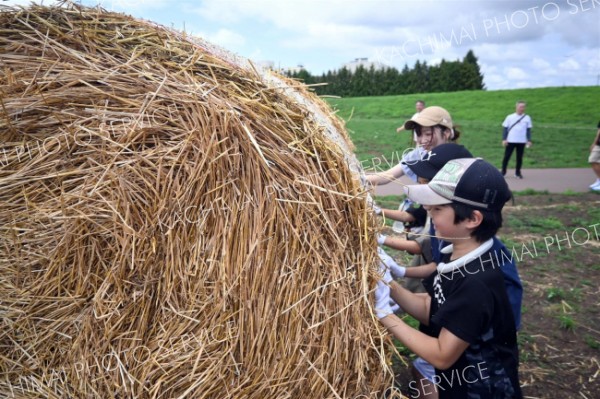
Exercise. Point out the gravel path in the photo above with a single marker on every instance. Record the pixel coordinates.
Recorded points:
(551, 180)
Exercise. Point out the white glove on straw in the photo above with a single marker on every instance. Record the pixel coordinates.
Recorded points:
(394, 306)
(395, 269)
(382, 300)
(371, 203)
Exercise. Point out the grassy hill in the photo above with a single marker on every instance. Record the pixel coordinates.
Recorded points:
(564, 123)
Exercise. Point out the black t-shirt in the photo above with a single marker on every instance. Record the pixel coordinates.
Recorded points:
(473, 305)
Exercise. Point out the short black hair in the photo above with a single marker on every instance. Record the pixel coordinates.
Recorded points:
(420, 101)
(491, 223)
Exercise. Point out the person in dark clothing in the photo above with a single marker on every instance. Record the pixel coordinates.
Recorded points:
(470, 334)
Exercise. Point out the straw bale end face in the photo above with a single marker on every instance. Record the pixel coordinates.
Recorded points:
(174, 222)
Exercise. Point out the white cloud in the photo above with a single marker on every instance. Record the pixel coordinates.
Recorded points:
(594, 64)
(333, 36)
(15, 2)
(295, 15)
(540, 63)
(509, 34)
(121, 5)
(543, 67)
(133, 5)
(494, 80)
(222, 37)
(514, 73)
(257, 55)
(226, 38)
(509, 18)
(521, 85)
(488, 68)
(368, 22)
(569, 65)
(24, 2)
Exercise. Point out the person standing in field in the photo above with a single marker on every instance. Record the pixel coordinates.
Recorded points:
(419, 106)
(594, 160)
(515, 135)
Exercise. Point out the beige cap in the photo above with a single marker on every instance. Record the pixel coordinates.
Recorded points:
(430, 116)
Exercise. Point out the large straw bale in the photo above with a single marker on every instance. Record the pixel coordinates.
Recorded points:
(173, 222)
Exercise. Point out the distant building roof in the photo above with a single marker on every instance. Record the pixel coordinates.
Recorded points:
(364, 62)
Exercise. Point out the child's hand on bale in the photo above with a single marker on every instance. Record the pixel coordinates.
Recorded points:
(395, 269)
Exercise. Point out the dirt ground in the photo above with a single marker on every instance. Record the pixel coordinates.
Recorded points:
(555, 239)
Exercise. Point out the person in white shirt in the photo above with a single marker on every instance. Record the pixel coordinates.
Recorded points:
(515, 135)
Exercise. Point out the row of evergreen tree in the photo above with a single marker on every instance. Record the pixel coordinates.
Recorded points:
(422, 78)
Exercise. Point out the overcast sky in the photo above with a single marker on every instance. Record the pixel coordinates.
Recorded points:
(518, 43)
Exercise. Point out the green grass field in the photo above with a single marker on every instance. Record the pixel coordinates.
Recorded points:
(564, 123)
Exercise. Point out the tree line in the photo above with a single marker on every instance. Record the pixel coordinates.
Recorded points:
(422, 78)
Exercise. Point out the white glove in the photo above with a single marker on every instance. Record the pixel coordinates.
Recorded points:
(395, 269)
(386, 275)
(387, 278)
(382, 300)
(395, 307)
(371, 203)
(381, 239)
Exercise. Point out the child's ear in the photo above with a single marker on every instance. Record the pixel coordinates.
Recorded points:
(475, 220)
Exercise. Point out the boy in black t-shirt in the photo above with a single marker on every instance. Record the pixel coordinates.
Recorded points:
(471, 334)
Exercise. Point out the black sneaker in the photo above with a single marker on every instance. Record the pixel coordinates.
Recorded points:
(518, 176)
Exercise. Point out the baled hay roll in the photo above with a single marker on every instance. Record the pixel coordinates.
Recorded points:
(174, 223)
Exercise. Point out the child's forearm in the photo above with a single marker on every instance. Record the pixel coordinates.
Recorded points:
(379, 179)
(410, 246)
(419, 343)
(441, 352)
(420, 271)
(398, 215)
(415, 305)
